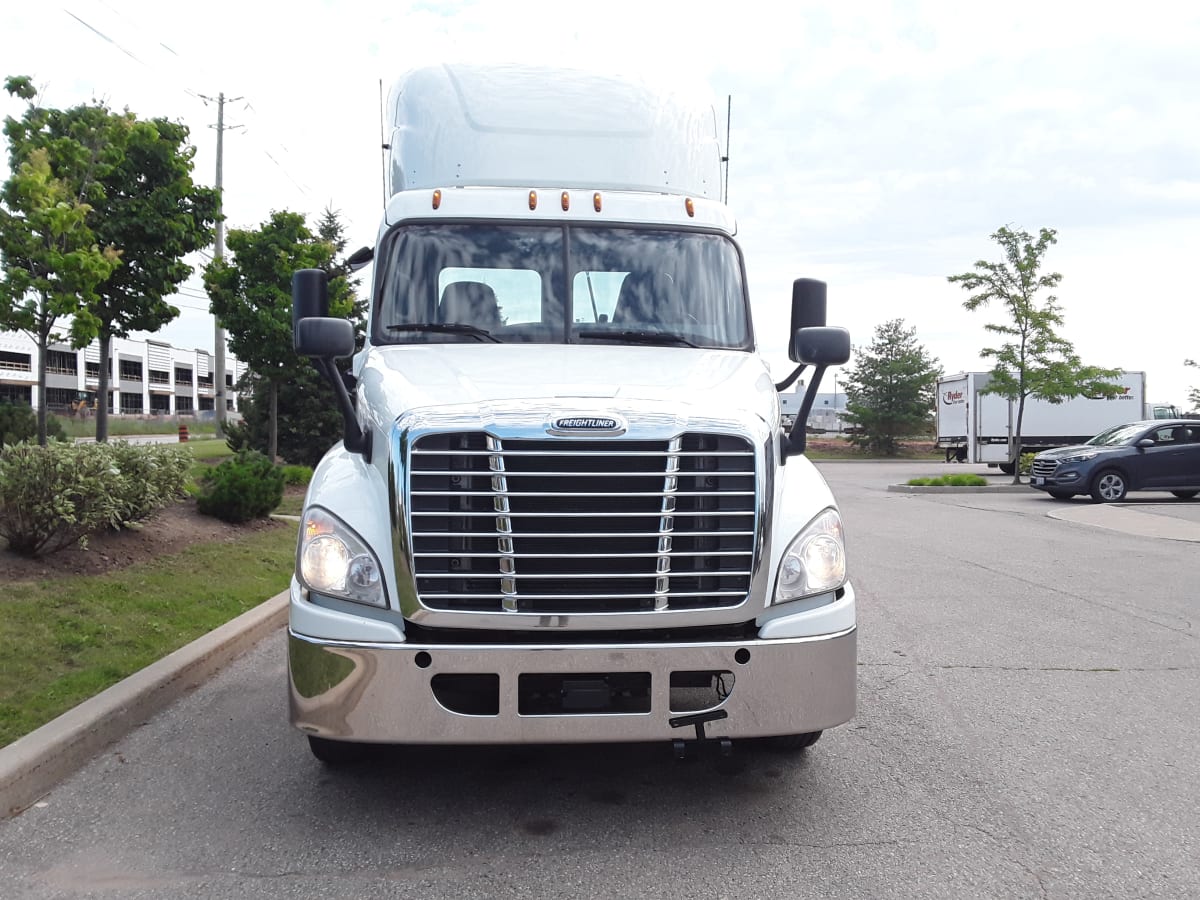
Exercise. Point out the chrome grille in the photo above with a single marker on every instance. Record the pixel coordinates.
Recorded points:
(581, 526)
(1044, 467)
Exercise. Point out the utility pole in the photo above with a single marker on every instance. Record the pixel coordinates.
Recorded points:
(219, 253)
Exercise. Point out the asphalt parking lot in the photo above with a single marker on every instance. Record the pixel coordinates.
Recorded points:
(1029, 701)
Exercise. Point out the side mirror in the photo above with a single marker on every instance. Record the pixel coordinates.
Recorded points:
(820, 346)
(310, 300)
(324, 338)
(1145, 443)
(808, 308)
(359, 258)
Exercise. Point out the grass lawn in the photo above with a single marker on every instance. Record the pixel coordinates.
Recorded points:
(64, 640)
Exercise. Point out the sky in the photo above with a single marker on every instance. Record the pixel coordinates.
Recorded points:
(873, 145)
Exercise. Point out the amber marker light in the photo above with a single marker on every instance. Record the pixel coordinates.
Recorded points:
(533, 199)
(691, 207)
(596, 201)
(437, 199)
(566, 200)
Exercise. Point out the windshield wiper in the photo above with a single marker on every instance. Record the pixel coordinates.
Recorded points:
(446, 328)
(638, 337)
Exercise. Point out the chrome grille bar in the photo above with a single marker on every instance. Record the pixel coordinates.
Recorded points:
(494, 522)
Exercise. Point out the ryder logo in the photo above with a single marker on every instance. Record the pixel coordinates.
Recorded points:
(949, 398)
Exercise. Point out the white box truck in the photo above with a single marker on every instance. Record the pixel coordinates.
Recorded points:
(564, 508)
(977, 427)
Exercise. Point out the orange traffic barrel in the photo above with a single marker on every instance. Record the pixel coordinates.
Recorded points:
(183, 435)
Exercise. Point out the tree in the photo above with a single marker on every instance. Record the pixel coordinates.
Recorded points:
(154, 215)
(251, 295)
(890, 388)
(52, 263)
(1034, 360)
(308, 419)
(1194, 393)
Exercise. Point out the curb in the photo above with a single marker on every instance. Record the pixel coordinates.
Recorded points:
(32, 765)
(958, 489)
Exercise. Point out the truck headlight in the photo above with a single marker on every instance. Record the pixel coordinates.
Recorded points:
(335, 561)
(815, 561)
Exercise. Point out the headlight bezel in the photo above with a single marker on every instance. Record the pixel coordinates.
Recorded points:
(821, 541)
(318, 559)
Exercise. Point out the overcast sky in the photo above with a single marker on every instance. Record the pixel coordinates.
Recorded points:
(874, 145)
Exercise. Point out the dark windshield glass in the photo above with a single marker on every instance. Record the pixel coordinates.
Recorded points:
(1122, 434)
(516, 282)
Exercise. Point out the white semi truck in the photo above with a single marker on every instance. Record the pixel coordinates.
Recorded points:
(977, 427)
(564, 509)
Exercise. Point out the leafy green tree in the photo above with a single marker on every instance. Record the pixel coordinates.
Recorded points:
(1034, 360)
(890, 389)
(154, 215)
(309, 422)
(1194, 393)
(52, 262)
(251, 295)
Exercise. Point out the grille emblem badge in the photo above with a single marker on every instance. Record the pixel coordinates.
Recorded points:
(584, 423)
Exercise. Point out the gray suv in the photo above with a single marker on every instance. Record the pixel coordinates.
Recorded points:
(1157, 455)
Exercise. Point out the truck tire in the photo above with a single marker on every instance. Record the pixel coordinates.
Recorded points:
(1185, 495)
(336, 753)
(791, 743)
(1007, 468)
(1109, 487)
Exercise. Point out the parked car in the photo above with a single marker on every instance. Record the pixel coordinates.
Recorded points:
(1154, 455)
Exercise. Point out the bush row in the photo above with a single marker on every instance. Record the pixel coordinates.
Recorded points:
(54, 496)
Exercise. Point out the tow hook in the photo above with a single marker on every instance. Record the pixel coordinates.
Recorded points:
(700, 720)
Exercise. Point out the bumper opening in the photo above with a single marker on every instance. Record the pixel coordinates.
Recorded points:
(695, 691)
(559, 694)
(468, 694)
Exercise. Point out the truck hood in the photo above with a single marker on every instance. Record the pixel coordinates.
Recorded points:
(709, 382)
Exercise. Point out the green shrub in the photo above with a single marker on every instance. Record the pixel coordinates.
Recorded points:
(54, 496)
(1025, 463)
(153, 476)
(18, 422)
(294, 475)
(248, 486)
(949, 481)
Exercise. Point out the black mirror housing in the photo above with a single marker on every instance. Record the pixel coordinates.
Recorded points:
(310, 300)
(324, 338)
(808, 308)
(820, 346)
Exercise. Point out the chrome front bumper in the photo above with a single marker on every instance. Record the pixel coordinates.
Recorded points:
(384, 692)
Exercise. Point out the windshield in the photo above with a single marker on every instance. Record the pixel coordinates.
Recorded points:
(1121, 434)
(487, 282)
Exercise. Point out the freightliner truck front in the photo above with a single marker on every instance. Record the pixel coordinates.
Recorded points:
(564, 508)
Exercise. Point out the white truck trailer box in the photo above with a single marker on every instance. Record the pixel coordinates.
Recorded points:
(564, 509)
(977, 427)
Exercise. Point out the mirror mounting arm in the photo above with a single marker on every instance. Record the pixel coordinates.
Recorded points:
(355, 439)
(798, 436)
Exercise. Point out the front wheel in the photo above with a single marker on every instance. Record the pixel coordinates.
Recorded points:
(792, 742)
(1109, 487)
(1008, 468)
(1185, 495)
